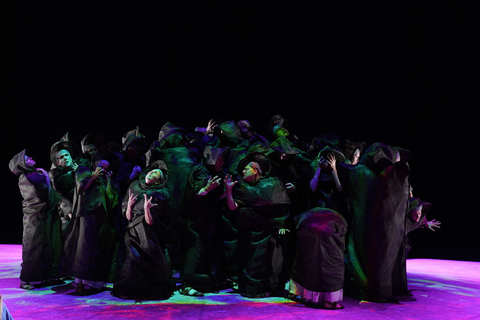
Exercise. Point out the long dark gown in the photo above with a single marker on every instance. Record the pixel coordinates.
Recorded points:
(263, 208)
(146, 273)
(180, 161)
(319, 261)
(205, 252)
(377, 190)
(42, 238)
(90, 245)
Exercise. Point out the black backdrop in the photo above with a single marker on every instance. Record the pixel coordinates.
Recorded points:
(383, 73)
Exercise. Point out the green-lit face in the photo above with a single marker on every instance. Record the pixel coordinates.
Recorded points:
(64, 159)
(153, 177)
(281, 132)
(250, 173)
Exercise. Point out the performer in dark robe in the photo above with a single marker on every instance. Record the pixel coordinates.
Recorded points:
(181, 161)
(325, 187)
(260, 204)
(90, 245)
(204, 267)
(147, 273)
(318, 271)
(42, 233)
(377, 190)
(66, 157)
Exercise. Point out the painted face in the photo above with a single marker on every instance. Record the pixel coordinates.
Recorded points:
(64, 159)
(103, 164)
(250, 172)
(416, 213)
(356, 157)
(281, 132)
(29, 162)
(90, 150)
(153, 177)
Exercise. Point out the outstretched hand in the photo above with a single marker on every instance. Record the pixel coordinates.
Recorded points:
(132, 198)
(213, 182)
(211, 126)
(148, 203)
(229, 183)
(433, 224)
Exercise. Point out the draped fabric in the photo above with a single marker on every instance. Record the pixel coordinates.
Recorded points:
(42, 238)
(146, 273)
(377, 190)
(263, 209)
(319, 261)
(91, 242)
(204, 256)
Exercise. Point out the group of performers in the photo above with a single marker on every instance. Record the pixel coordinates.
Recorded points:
(219, 207)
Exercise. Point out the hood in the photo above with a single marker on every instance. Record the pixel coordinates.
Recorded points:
(211, 154)
(134, 136)
(17, 164)
(229, 133)
(159, 164)
(71, 147)
(172, 136)
(378, 156)
(96, 139)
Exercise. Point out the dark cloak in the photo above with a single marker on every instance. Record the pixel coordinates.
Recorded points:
(319, 261)
(146, 273)
(64, 179)
(204, 257)
(42, 238)
(91, 242)
(181, 161)
(262, 210)
(377, 190)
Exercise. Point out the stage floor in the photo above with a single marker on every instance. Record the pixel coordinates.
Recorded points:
(440, 289)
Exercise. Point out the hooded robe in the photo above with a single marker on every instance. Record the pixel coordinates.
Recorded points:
(319, 260)
(42, 237)
(263, 208)
(91, 242)
(205, 256)
(146, 273)
(377, 190)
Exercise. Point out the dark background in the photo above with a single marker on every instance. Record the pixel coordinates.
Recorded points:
(392, 73)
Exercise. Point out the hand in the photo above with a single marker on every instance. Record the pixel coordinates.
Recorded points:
(211, 126)
(98, 172)
(433, 224)
(135, 172)
(108, 175)
(321, 159)
(148, 203)
(229, 184)
(290, 187)
(332, 161)
(283, 231)
(74, 166)
(132, 198)
(212, 183)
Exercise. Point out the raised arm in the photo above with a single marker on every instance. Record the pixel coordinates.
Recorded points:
(229, 184)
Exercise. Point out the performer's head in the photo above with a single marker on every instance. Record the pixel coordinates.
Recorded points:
(416, 213)
(355, 157)
(104, 164)
(29, 162)
(64, 159)
(90, 150)
(252, 172)
(154, 177)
